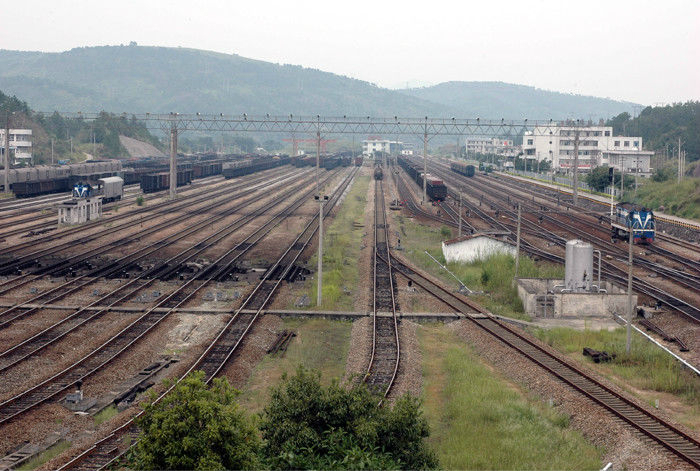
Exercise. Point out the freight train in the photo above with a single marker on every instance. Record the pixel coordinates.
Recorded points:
(435, 187)
(249, 165)
(640, 219)
(463, 168)
(153, 182)
(327, 161)
(44, 179)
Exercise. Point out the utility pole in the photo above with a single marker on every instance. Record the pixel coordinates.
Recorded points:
(173, 159)
(7, 153)
(629, 289)
(576, 135)
(459, 233)
(425, 162)
(517, 247)
(319, 284)
(318, 158)
(622, 176)
(680, 172)
(52, 151)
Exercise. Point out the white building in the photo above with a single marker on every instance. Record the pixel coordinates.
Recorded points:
(370, 146)
(20, 144)
(596, 146)
(490, 145)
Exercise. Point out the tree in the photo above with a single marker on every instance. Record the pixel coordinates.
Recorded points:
(195, 427)
(599, 178)
(308, 426)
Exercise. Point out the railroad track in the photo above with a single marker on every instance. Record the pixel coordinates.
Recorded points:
(158, 209)
(59, 292)
(117, 344)
(386, 349)
(611, 271)
(654, 427)
(25, 349)
(219, 352)
(163, 209)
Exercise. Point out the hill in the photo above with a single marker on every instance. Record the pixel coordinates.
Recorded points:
(495, 100)
(662, 126)
(156, 79)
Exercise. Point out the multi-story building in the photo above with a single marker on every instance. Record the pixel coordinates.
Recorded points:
(596, 146)
(490, 145)
(20, 145)
(370, 146)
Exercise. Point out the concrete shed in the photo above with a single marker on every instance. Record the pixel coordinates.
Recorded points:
(479, 245)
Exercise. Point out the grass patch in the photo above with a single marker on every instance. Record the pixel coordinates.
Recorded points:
(341, 250)
(679, 199)
(47, 455)
(645, 367)
(320, 345)
(493, 275)
(480, 421)
(105, 414)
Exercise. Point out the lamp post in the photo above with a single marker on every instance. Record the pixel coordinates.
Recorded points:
(319, 287)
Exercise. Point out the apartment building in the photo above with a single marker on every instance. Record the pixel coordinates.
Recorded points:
(596, 146)
(20, 145)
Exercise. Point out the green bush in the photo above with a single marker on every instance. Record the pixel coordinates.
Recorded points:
(195, 427)
(139, 201)
(308, 426)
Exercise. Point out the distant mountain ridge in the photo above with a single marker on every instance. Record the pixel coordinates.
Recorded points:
(139, 79)
(495, 100)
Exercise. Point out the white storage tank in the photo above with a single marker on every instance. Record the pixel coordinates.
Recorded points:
(579, 266)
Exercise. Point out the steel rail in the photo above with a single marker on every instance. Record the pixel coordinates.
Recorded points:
(30, 346)
(117, 344)
(385, 356)
(106, 452)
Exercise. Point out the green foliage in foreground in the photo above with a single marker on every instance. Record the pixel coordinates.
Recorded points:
(304, 426)
(308, 426)
(195, 427)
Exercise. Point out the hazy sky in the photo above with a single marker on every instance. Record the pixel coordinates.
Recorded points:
(637, 50)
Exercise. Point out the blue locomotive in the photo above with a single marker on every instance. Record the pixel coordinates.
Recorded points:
(640, 219)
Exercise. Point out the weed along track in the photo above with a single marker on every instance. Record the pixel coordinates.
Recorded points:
(107, 352)
(224, 347)
(550, 219)
(386, 349)
(143, 281)
(641, 419)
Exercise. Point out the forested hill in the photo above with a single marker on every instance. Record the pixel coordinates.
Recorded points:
(495, 100)
(156, 79)
(662, 126)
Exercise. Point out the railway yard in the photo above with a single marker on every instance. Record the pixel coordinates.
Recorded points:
(222, 277)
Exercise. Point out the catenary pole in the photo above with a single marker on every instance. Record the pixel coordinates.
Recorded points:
(7, 153)
(173, 161)
(630, 308)
(517, 246)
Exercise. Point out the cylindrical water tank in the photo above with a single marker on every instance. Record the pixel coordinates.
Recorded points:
(579, 266)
